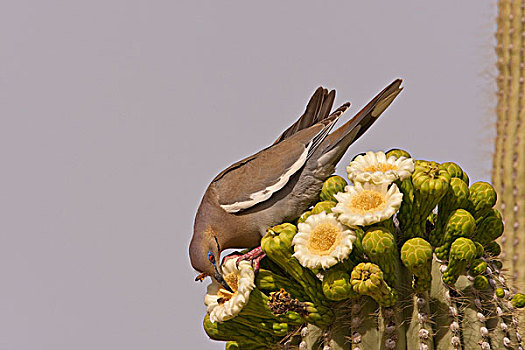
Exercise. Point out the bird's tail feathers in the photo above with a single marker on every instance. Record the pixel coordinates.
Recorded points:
(328, 123)
(317, 110)
(349, 132)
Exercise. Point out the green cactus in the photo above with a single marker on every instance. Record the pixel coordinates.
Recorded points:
(428, 280)
(481, 282)
(455, 198)
(397, 153)
(459, 224)
(325, 206)
(518, 300)
(455, 171)
(482, 197)
(337, 286)
(477, 267)
(367, 279)
(430, 182)
(462, 252)
(489, 227)
(380, 247)
(416, 255)
(332, 186)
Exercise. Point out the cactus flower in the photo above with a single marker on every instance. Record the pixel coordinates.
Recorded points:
(377, 168)
(223, 305)
(367, 203)
(322, 241)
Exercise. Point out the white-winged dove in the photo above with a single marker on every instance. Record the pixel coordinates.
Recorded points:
(280, 182)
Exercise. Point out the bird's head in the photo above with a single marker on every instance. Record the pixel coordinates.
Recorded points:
(205, 253)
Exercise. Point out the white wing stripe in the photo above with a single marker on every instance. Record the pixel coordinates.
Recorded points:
(263, 195)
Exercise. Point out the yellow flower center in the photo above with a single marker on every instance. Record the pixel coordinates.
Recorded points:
(233, 281)
(367, 201)
(324, 238)
(381, 167)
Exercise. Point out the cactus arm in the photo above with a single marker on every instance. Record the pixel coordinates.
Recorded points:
(473, 319)
(365, 326)
(419, 330)
(506, 319)
(441, 305)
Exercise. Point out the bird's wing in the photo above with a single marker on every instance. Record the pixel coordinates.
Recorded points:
(254, 179)
(317, 109)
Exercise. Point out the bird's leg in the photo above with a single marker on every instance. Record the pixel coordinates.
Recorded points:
(254, 256)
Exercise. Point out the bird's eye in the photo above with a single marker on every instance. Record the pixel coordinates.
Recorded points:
(211, 257)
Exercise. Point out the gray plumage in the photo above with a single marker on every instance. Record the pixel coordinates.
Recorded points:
(280, 182)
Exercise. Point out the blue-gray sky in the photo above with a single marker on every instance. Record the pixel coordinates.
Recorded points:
(115, 115)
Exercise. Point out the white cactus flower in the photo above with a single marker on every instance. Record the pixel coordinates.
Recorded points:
(322, 241)
(375, 167)
(223, 305)
(367, 203)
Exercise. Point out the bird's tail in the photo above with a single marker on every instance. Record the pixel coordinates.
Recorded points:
(317, 110)
(334, 146)
(350, 131)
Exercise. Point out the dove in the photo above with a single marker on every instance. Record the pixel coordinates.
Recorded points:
(278, 183)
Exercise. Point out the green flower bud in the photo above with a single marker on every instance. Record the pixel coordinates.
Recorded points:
(482, 197)
(455, 171)
(367, 279)
(489, 226)
(431, 183)
(332, 186)
(493, 248)
(234, 345)
(303, 217)
(479, 250)
(455, 198)
(416, 255)
(460, 224)
(498, 264)
(325, 206)
(500, 292)
(518, 300)
(380, 247)
(481, 282)
(477, 267)
(462, 252)
(336, 285)
(397, 153)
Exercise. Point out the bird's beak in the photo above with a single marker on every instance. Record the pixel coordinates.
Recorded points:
(221, 280)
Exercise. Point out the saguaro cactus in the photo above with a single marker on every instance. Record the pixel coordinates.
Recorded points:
(402, 258)
(508, 171)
